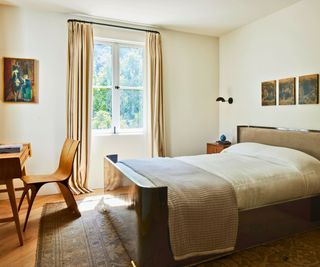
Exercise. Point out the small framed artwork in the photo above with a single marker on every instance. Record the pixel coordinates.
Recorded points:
(20, 80)
(287, 91)
(268, 93)
(309, 89)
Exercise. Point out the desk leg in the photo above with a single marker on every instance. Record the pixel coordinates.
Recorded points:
(13, 202)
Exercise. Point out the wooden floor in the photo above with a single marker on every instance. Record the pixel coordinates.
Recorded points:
(11, 254)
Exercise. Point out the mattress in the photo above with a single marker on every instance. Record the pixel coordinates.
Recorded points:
(261, 175)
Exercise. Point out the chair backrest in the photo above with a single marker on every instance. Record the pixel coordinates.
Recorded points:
(67, 156)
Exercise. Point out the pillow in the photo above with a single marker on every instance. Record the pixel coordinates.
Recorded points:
(250, 149)
(280, 155)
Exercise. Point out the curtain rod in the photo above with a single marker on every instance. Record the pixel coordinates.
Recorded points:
(112, 25)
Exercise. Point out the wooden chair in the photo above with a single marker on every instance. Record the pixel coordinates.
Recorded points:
(60, 176)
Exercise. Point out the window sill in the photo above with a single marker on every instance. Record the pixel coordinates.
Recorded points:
(101, 133)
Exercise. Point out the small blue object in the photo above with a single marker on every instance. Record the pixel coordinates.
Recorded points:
(223, 138)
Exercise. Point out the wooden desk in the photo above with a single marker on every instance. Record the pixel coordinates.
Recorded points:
(12, 166)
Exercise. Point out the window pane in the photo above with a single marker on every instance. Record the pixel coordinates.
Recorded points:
(102, 108)
(102, 65)
(131, 66)
(131, 108)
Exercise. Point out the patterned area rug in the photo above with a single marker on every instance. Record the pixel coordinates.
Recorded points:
(86, 241)
(90, 240)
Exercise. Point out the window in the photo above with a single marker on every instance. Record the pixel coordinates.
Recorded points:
(118, 87)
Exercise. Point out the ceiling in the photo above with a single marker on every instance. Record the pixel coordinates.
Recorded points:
(209, 17)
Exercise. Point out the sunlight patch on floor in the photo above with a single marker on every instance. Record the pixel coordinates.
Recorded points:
(101, 202)
(115, 202)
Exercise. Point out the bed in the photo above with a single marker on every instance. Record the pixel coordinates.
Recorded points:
(268, 213)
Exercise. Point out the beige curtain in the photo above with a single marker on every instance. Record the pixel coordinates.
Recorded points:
(80, 67)
(156, 116)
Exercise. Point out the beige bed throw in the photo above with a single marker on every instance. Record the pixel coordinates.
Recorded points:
(203, 212)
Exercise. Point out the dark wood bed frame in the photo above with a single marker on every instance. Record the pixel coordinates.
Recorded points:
(143, 224)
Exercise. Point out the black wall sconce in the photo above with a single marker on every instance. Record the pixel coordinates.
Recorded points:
(221, 99)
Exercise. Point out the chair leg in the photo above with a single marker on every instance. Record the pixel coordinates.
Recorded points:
(34, 190)
(68, 197)
(23, 173)
(28, 197)
(13, 202)
(25, 192)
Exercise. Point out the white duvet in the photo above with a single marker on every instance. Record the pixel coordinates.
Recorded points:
(263, 175)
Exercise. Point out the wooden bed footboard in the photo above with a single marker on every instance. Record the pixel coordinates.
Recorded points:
(142, 223)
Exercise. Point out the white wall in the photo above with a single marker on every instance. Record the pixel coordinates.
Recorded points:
(191, 81)
(41, 36)
(284, 44)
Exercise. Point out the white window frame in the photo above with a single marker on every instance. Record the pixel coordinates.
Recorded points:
(116, 44)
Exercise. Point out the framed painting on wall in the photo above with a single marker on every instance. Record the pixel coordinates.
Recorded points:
(20, 80)
(287, 91)
(309, 89)
(268, 93)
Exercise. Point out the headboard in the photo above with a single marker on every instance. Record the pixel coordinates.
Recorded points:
(307, 141)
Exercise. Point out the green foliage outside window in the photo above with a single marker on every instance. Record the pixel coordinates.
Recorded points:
(131, 67)
(102, 65)
(130, 77)
(102, 108)
(131, 112)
